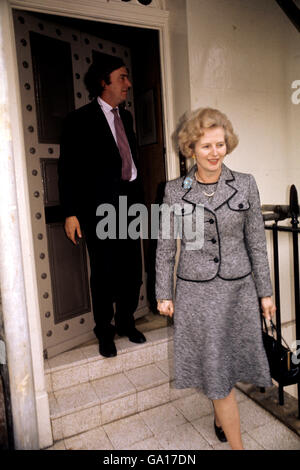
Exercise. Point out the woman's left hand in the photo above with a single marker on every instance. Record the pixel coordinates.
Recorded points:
(268, 307)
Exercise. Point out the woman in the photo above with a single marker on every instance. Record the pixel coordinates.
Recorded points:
(217, 328)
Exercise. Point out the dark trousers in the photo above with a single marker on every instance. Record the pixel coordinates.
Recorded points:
(116, 276)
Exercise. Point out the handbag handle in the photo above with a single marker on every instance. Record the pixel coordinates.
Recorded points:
(274, 328)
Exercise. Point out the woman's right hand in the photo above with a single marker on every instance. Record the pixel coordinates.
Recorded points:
(165, 307)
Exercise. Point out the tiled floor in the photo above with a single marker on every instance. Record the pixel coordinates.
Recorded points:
(185, 424)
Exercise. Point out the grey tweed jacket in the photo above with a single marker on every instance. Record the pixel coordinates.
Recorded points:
(234, 237)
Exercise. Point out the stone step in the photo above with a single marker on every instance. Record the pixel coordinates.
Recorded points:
(86, 364)
(87, 391)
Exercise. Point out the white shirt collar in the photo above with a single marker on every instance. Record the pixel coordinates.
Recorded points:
(105, 106)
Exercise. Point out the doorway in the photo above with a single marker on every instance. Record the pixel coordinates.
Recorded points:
(45, 42)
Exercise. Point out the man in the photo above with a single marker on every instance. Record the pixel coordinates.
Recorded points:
(97, 165)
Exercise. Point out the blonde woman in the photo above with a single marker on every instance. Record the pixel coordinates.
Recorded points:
(221, 286)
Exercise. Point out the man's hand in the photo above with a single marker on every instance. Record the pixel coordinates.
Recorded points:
(165, 307)
(268, 307)
(72, 226)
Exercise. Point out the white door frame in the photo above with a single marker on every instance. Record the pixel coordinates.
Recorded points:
(115, 11)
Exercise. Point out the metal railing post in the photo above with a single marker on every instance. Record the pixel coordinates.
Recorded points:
(276, 213)
(277, 296)
(294, 207)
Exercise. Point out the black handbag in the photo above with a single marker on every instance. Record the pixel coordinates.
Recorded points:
(284, 366)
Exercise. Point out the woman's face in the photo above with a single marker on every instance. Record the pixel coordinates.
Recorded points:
(210, 151)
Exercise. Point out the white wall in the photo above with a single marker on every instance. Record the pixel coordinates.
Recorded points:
(242, 57)
(242, 60)
(292, 68)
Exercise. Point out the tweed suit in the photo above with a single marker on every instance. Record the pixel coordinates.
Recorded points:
(217, 329)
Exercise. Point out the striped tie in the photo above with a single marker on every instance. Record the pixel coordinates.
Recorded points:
(123, 146)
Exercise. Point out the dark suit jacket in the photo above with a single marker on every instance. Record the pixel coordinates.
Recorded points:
(90, 164)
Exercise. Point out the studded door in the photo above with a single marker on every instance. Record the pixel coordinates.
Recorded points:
(52, 61)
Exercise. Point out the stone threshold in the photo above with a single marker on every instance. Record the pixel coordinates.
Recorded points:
(86, 390)
(108, 389)
(87, 407)
(84, 364)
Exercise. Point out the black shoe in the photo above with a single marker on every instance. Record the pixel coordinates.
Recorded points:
(134, 335)
(107, 348)
(220, 433)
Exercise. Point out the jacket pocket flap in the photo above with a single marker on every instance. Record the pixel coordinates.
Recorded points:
(238, 204)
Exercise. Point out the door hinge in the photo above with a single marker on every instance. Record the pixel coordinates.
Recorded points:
(2, 352)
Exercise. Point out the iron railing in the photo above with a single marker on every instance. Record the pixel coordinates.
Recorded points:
(278, 213)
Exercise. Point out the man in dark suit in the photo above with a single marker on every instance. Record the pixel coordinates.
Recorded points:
(97, 165)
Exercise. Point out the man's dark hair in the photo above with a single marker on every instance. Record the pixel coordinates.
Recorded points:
(100, 70)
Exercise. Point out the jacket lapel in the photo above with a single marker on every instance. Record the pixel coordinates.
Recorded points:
(224, 190)
(193, 195)
(102, 124)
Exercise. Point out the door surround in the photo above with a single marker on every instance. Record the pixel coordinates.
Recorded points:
(135, 15)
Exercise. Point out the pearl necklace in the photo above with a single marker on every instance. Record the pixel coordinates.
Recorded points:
(208, 195)
(204, 192)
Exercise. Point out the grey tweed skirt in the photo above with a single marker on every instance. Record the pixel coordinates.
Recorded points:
(217, 336)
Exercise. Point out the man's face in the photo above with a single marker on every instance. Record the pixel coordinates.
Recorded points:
(116, 92)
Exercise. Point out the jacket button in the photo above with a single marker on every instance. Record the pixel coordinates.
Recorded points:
(213, 240)
(211, 221)
(216, 259)
(241, 206)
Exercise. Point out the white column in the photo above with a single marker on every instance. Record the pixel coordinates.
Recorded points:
(12, 285)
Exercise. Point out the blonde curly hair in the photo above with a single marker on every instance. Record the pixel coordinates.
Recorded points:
(194, 127)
